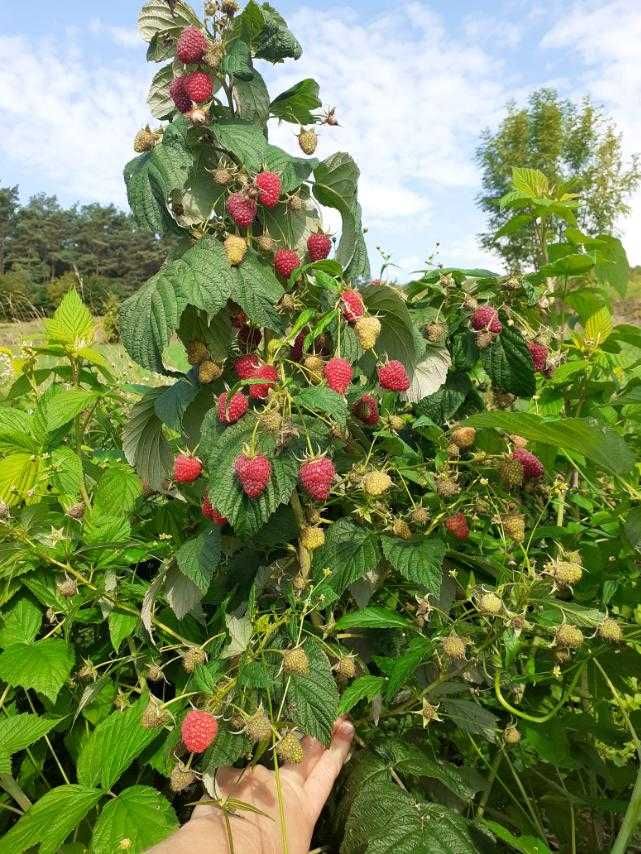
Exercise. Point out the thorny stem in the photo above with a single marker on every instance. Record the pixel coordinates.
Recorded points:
(303, 554)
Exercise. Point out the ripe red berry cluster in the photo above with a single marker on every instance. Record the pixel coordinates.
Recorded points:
(231, 411)
(366, 410)
(285, 262)
(393, 376)
(338, 374)
(316, 477)
(198, 730)
(253, 473)
(187, 469)
(486, 318)
(532, 466)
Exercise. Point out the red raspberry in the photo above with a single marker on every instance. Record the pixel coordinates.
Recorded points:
(187, 469)
(269, 187)
(253, 473)
(319, 245)
(246, 366)
(338, 374)
(353, 305)
(231, 411)
(191, 46)
(238, 318)
(198, 87)
(393, 376)
(285, 262)
(316, 477)
(457, 526)
(539, 353)
(241, 209)
(366, 410)
(198, 730)
(486, 318)
(259, 391)
(532, 465)
(210, 512)
(179, 96)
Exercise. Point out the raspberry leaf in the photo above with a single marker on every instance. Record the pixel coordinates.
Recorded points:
(508, 363)
(156, 16)
(256, 290)
(275, 42)
(349, 552)
(418, 560)
(397, 338)
(296, 103)
(140, 814)
(198, 558)
(312, 698)
(202, 277)
(243, 140)
(363, 688)
(143, 441)
(159, 100)
(252, 98)
(292, 170)
(43, 665)
(322, 399)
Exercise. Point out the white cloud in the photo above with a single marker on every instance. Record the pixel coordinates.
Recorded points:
(67, 119)
(121, 36)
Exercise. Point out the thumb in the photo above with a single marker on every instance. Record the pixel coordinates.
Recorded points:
(320, 782)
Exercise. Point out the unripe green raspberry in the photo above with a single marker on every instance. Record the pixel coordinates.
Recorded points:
(196, 352)
(401, 529)
(367, 330)
(453, 647)
(154, 673)
(289, 749)
(514, 527)
(346, 668)
(569, 637)
(511, 473)
(511, 735)
(258, 727)
(490, 604)
(376, 483)
(396, 422)
(295, 661)
(193, 657)
(565, 573)
(235, 249)
(68, 587)
(155, 715)
(446, 487)
(420, 516)
(209, 372)
(312, 538)
(464, 437)
(181, 777)
(435, 332)
(610, 630)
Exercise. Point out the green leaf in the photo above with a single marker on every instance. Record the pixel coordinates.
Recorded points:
(419, 560)
(568, 265)
(335, 186)
(524, 844)
(257, 290)
(158, 16)
(349, 552)
(249, 24)
(19, 474)
(66, 471)
(530, 181)
(632, 528)
(247, 515)
(19, 731)
(252, 98)
(296, 103)
(323, 399)
(44, 665)
(21, 623)
(113, 746)
(173, 401)
(409, 759)
(50, 820)
(244, 141)
(513, 225)
(71, 324)
(137, 819)
(238, 61)
(397, 339)
(143, 441)
(312, 699)
(199, 557)
(63, 405)
(275, 42)
(441, 406)
(202, 277)
(363, 688)
(373, 617)
(227, 749)
(601, 445)
(159, 100)
(100, 527)
(471, 717)
(598, 327)
(117, 490)
(121, 626)
(508, 363)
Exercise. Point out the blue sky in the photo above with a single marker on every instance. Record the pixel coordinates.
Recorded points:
(414, 85)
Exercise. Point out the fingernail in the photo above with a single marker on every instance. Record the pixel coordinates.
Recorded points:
(346, 728)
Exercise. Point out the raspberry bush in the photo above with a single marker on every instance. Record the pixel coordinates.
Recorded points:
(417, 505)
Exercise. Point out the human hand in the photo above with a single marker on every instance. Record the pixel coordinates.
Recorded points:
(305, 789)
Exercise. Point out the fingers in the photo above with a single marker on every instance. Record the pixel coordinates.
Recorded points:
(321, 779)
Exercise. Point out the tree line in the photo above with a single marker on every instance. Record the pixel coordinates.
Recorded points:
(46, 248)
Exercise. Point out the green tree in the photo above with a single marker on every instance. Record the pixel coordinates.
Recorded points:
(577, 146)
(8, 207)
